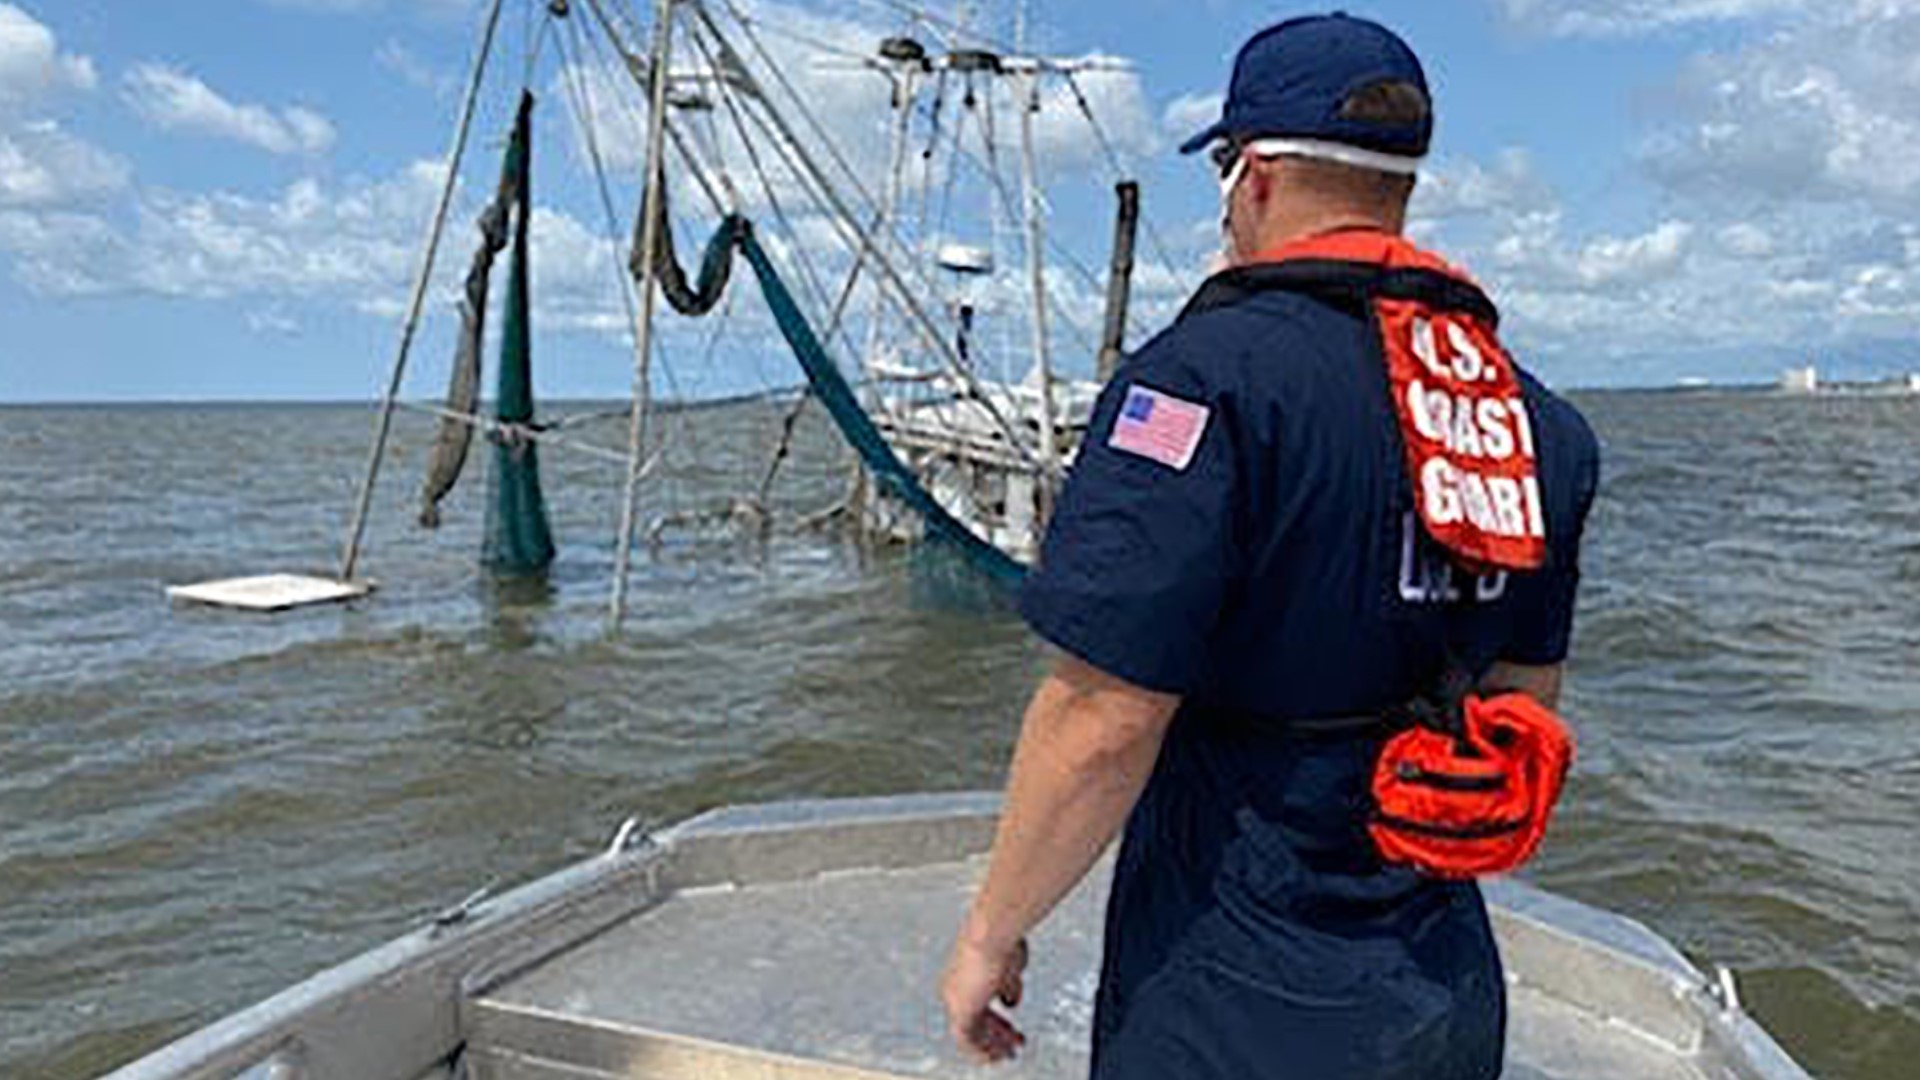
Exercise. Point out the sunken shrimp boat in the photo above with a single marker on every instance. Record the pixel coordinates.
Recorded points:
(803, 941)
(906, 246)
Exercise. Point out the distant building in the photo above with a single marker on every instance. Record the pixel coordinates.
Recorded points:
(1913, 384)
(1804, 380)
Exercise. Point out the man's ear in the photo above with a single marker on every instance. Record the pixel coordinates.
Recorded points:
(1260, 181)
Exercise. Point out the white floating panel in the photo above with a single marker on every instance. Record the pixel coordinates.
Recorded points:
(270, 592)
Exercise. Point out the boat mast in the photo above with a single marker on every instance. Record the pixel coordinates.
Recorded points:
(1126, 229)
(652, 222)
(383, 429)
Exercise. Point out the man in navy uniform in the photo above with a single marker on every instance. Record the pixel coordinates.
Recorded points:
(1251, 552)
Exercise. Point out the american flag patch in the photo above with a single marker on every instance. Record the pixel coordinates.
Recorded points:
(1159, 426)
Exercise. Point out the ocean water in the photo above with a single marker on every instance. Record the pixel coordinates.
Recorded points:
(198, 808)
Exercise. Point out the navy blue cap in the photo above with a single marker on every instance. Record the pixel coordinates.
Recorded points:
(1291, 80)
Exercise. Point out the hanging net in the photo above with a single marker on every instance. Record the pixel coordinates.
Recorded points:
(519, 541)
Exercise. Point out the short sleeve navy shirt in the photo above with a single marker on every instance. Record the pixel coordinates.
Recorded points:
(1277, 575)
(1281, 572)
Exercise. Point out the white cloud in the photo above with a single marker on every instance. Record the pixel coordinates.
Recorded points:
(272, 322)
(576, 274)
(1464, 188)
(62, 253)
(355, 245)
(1118, 102)
(1616, 18)
(1784, 172)
(414, 71)
(1819, 111)
(1536, 250)
(1744, 239)
(1648, 256)
(1190, 114)
(31, 63)
(1593, 298)
(173, 100)
(42, 165)
(1694, 283)
(853, 104)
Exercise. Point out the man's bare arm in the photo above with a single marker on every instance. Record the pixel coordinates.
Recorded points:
(1087, 747)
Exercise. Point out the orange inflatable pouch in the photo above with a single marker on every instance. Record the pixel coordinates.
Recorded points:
(1467, 790)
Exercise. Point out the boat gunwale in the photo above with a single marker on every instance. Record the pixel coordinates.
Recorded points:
(396, 1012)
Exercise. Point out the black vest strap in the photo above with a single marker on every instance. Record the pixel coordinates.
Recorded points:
(1353, 287)
(1349, 286)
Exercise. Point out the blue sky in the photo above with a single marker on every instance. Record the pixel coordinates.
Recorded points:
(225, 198)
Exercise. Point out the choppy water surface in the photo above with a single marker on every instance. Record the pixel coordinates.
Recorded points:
(197, 808)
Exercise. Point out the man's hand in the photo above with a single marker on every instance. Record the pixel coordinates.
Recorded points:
(975, 978)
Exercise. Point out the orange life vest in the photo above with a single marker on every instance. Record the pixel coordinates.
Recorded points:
(1472, 794)
(1468, 787)
(1463, 420)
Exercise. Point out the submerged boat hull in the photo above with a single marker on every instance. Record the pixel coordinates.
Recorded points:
(801, 941)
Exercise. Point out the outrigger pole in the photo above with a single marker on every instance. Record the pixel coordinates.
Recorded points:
(356, 533)
(1028, 82)
(652, 221)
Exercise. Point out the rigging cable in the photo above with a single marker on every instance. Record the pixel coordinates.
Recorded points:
(848, 221)
(965, 32)
(934, 114)
(356, 532)
(906, 90)
(1073, 260)
(990, 147)
(1119, 167)
(810, 41)
(959, 30)
(968, 104)
(844, 220)
(734, 112)
(748, 22)
(573, 79)
(536, 40)
(636, 68)
(835, 322)
(1007, 205)
(546, 433)
(832, 147)
(809, 276)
